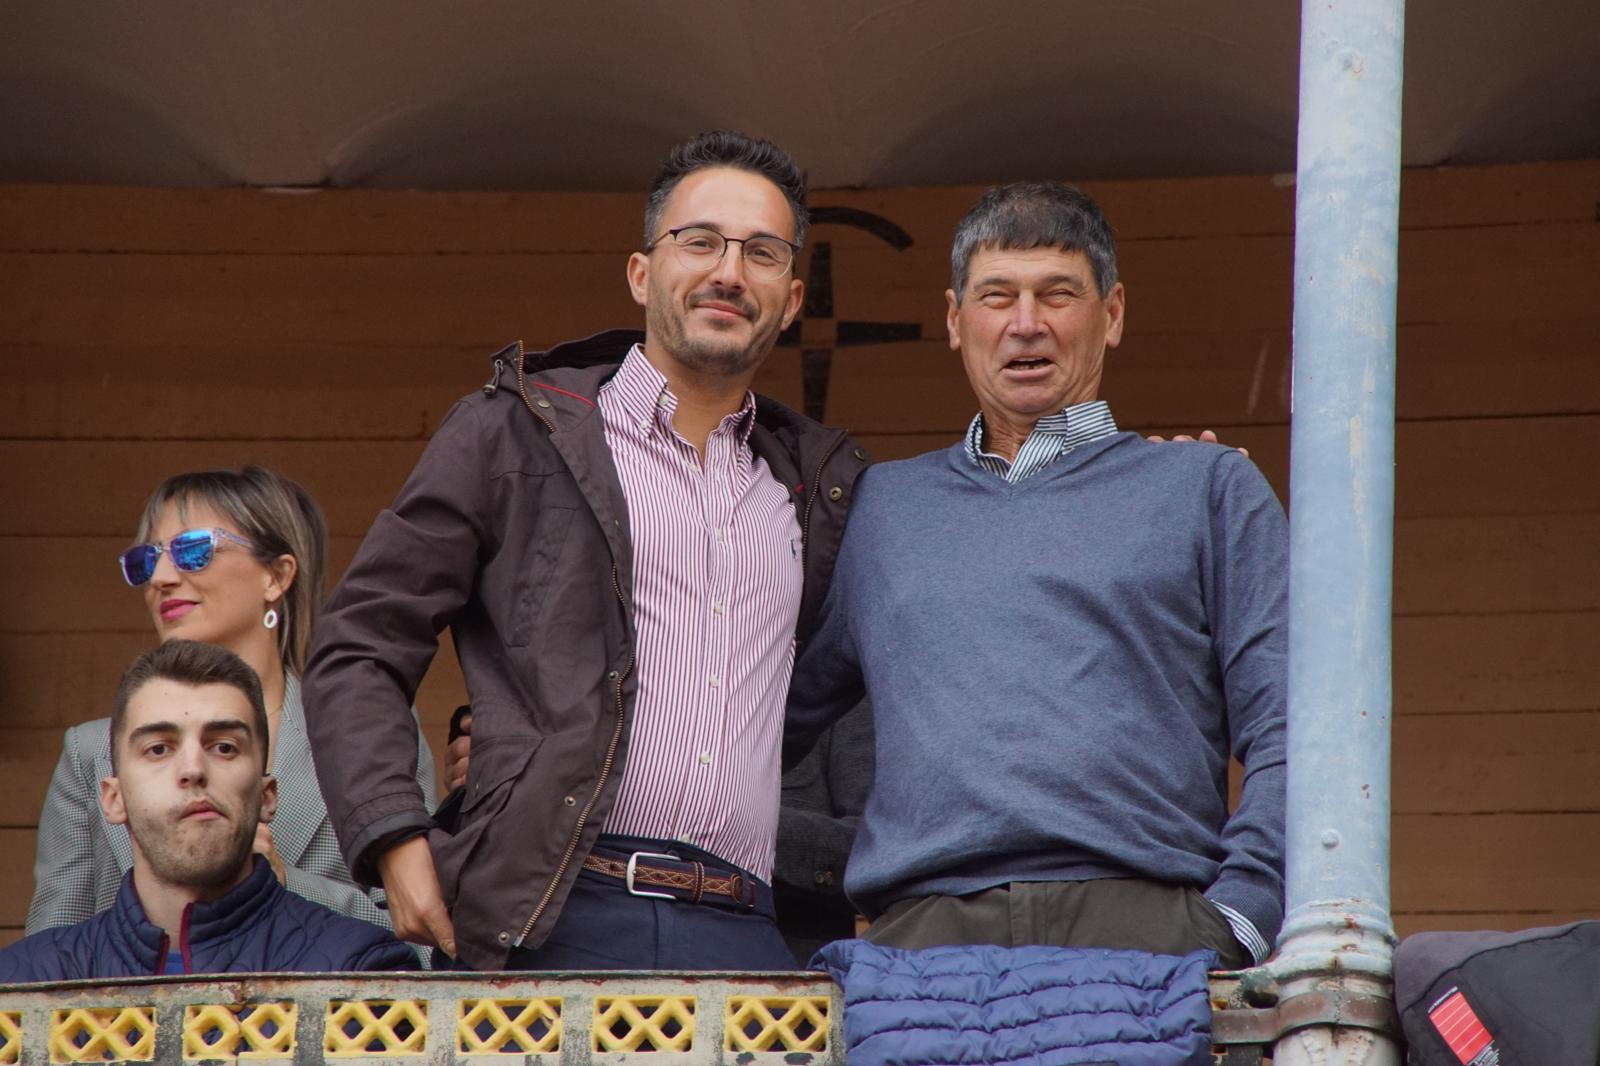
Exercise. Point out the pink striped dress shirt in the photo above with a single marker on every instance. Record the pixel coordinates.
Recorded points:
(717, 575)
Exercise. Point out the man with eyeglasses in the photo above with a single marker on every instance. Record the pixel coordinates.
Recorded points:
(627, 545)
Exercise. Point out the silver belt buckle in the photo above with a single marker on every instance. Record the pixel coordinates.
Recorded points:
(633, 863)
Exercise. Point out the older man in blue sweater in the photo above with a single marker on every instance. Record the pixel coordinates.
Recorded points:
(1065, 631)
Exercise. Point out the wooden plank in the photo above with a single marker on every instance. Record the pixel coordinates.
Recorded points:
(1497, 564)
(1225, 284)
(1524, 762)
(1409, 922)
(1499, 195)
(87, 218)
(302, 392)
(233, 391)
(27, 759)
(1229, 284)
(1449, 664)
(53, 680)
(1501, 862)
(1517, 564)
(102, 218)
(1497, 662)
(1459, 468)
(1493, 467)
(1462, 864)
(51, 218)
(1241, 377)
(352, 480)
(16, 875)
(377, 301)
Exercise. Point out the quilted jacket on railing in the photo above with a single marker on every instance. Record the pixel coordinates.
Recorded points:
(1032, 1005)
(258, 926)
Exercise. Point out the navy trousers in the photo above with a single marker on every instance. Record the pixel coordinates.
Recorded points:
(603, 927)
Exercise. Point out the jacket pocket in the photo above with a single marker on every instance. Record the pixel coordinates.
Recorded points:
(492, 766)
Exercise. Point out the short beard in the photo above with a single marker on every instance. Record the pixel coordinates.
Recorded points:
(196, 864)
(707, 355)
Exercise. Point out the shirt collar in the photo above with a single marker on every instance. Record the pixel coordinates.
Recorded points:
(650, 404)
(1073, 425)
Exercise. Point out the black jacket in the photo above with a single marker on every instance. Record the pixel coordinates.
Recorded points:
(258, 927)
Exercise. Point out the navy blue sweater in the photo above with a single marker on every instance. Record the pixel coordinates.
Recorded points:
(257, 927)
(1059, 669)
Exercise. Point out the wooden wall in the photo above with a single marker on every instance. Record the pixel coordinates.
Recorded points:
(144, 332)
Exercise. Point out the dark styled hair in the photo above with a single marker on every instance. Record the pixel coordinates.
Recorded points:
(1035, 214)
(277, 517)
(725, 148)
(189, 662)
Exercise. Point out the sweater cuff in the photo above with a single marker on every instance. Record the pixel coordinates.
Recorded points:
(1245, 931)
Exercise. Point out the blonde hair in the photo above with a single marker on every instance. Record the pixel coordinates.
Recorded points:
(278, 517)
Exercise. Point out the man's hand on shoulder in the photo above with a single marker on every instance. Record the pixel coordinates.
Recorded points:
(416, 904)
(1205, 434)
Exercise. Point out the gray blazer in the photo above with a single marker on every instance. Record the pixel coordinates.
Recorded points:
(81, 857)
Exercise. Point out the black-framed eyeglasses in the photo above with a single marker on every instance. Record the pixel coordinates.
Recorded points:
(700, 248)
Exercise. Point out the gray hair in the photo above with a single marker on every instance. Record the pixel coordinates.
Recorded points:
(725, 148)
(1035, 214)
(277, 517)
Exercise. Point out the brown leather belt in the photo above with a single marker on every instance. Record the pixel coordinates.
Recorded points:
(686, 879)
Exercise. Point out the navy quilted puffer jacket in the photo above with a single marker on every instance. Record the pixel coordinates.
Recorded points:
(257, 927)
(1036, 1005)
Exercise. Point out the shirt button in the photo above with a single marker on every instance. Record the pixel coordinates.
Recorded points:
(720, 535)
(705, 758)
(719, 609)
(712, 680)
(686, 839)
(664, 400)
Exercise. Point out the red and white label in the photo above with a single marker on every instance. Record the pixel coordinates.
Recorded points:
(1463, 1031)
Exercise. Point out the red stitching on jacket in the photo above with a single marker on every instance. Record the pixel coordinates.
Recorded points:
(564, 392)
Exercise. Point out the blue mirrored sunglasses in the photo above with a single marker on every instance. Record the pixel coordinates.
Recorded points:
(191, 550)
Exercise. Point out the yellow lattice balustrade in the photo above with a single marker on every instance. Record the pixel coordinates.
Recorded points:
(508, 1026)
(650, 1023)
(251, 1031)
(776, 1023)
(10, 1036)
(375, 1027)
(97, 1034)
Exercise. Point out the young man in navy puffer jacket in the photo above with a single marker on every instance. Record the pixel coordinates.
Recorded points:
(189, 755)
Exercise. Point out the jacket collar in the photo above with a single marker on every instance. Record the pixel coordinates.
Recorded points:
(568, 378)
(145, 943)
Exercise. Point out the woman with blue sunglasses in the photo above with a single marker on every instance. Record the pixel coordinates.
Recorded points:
(238, 559)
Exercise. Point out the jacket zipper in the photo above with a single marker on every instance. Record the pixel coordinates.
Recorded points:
(816, 489)
(522, 387)
(599, 786)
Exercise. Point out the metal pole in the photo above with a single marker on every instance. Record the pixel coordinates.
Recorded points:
(1338, 939)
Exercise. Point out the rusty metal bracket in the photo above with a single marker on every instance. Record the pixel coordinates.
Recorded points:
(1265, 1025)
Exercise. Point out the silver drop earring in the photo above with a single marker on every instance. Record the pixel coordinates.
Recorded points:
(270, 619)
